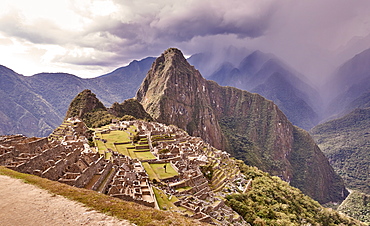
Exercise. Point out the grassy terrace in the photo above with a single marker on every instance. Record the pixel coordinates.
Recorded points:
(165, 202)
(135, 213)
(144, 155)
(183, 189)
(119, 136)
(156, 171)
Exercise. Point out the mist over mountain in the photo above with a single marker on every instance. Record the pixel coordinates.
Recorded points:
(247, 125)
(265, 74)
(349, 86)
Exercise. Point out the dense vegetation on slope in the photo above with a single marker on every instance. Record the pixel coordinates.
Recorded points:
(87, 107)
(22, 110)
(357, 205)
(346, 143)
(247, 125)
(129, 107)
(264, 74)
(271, 201)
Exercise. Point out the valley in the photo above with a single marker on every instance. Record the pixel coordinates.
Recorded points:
(173, 167)
(186, 176)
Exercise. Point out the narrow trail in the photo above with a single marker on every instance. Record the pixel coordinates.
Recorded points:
(25, 204)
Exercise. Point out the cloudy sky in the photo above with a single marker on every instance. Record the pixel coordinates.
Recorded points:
(92, 37)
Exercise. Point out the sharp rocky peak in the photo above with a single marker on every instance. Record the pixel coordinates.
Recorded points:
(247, 125)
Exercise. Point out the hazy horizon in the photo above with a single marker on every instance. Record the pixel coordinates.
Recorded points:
(92, 38)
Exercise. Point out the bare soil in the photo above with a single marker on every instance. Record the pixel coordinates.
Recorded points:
(25, 204)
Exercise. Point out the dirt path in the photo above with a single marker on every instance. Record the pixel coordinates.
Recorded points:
(25, 204)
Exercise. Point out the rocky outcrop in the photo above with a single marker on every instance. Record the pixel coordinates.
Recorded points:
(83, 103)
(245, 124)
(129, 107)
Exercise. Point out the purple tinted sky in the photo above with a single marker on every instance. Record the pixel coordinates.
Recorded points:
(91, 37)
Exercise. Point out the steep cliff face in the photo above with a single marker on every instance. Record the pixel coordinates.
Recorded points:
(247, 125)
(175, 93)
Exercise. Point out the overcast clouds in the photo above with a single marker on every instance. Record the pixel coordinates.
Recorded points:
(91, 37)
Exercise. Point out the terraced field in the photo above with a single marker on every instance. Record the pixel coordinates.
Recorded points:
(121, 142)
(158, 172)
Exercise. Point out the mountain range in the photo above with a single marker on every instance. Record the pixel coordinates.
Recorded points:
(246, 125)
(36, 105)
(34, 96)
(349, 87)
(265, 74)
(346, 143)
(259, 131)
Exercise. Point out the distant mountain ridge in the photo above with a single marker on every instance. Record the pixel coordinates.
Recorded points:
(36, 105)
(22, 110)
(247, 125)
(349, 84)
(264, 74)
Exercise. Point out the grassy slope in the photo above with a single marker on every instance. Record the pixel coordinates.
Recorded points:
(135, 213)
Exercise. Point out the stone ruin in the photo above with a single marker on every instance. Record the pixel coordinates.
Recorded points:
(70, 160)
(67, 163)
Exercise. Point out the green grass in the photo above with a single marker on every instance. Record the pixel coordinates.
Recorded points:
(145, 155)
(108, 155)
(132, 129)
(133, 212)
(101, 146)
(116, 136)
(150, 171)
(183, 189)
(159, 170)
(164, 201)
(122, 149)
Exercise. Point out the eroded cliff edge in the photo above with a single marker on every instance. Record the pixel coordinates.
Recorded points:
(246, 125)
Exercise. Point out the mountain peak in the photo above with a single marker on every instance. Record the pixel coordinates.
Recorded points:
(85, 102)
(170, 71)
(246, 125)
(171, 58)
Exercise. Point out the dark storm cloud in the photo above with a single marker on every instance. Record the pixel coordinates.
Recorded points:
(305, 33)
(183, 24)
(141, 28)
(154, 28)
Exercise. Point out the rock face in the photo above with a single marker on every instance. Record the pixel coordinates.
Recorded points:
(129, 107)
(268, 76)
(87, 107)
(84, 102)
(246, 125)
(175, 93)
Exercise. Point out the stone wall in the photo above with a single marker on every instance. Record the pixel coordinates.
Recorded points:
(130, 199)
(106, 170)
